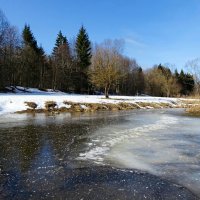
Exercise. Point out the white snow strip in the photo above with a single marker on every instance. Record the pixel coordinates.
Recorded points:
(10, 102)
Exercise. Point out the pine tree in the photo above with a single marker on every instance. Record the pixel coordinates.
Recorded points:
(83, 48)
(176, 74)
(190, 83)
(60, 40)
(165, 71)
(31, 61)
(83, 54)
(61, 64)
(140, 81)
(187, 83)
(43, 67)
(28, 38)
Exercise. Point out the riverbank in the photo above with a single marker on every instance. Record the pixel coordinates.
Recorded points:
(194, 108)
(62, 102)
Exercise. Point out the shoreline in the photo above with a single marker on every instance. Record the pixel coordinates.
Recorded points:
(55, 104)
(51, 107)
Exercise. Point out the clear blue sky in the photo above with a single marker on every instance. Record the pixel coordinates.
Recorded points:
(155, 31)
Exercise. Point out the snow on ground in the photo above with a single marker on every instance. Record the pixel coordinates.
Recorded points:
(24, 90)
(12, 102)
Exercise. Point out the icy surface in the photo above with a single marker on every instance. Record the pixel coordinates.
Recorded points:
(159, 142)
(57, 156)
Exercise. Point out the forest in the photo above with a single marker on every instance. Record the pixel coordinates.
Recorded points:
(83, 66)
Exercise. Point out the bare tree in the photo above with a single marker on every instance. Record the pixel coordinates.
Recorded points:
(161, 84)
(9, 46)
(193, 66)
(4, 25)
(106, 66)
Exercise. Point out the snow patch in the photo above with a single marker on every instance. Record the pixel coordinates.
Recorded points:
(13, 102)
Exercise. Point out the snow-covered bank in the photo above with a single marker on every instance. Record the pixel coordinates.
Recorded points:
(25, 90)
(10, 103)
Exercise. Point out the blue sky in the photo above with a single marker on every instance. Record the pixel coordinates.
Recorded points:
(154, 31)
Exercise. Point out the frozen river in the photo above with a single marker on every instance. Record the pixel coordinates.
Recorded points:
(44, 156)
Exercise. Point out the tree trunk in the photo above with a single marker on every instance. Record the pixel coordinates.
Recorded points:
(107, 91)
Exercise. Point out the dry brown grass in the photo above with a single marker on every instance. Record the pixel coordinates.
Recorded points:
(50, 105)
(31, 111)
(194, 110)
(192, 101)
(32, 105)
(154, 105)
(193, 97)
(192, 106)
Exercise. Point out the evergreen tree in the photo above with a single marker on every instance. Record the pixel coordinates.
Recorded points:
(190, 83)
(140, 82)
(31, 60)
(83, 54)
(62, 63)
(165, 71)
(187, 83)
(43, 67)
(176, 74)
(28, 38)
(60, 40)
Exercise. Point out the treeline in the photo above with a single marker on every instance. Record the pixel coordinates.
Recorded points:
(80, 67)
(161, 81)
(121, 75)
(23, 62)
